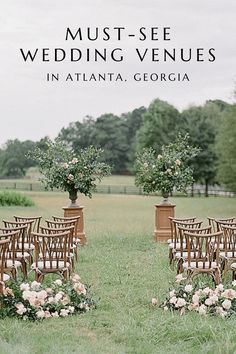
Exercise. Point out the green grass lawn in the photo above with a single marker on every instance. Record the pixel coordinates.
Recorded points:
(125, 269)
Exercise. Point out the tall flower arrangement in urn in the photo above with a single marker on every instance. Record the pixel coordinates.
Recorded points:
(63, 169)
(168, 170)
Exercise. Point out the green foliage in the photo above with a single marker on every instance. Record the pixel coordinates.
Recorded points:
(115, 135)
(13, 161)
(161, 123)
(226, 148)
(37, 301)
(202, 124)
(168, 170)
(62, 168)
(14, 199)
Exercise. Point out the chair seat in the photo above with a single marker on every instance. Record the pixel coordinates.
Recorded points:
(50, 265)
(6, 277)
(27, 246)
(229, 254)
(185, 254)
(200, 265)
(233, 266)
(176, 246)
(11, 264)
(22, 255)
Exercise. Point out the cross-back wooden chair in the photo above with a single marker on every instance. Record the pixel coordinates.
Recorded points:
(4, 244)
(73, 248)
(36, 221)
(203, 255)
(12, 264)
(228, 254)
(172, 228)
(64, 224)
(175, 245)
(52, 252)
(70, 218)
(182, 254)
(214, 222)
(25, 245)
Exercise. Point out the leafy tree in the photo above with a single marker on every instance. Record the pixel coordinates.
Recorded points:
(202, 123)
(79, 135)
(226, 149)
(110, 134)
(13, 161)
(161, 122)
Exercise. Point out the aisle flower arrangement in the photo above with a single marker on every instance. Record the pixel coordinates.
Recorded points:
(167, 170)
(36, 301)
(220, 301)
(64, 169)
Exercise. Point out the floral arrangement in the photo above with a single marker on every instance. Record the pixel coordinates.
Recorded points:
(36, 301)
(168, 170)
(62, 168)
(220, 301)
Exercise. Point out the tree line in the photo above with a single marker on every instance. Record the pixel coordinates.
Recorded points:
(211, 127)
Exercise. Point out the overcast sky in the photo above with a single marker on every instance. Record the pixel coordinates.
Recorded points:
(32, 108)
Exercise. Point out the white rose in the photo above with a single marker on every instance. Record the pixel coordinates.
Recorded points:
(58, 282)
(188, 288)
(226, 304)
(202, 310)
(209, 302)
(173, 300)
(35, 285)
(180, 302)
(40, 314)
(20, 309)
(172, 293)
(64, 313)
(71, 309)
(24, 287)
(195, 299)
(154, 301)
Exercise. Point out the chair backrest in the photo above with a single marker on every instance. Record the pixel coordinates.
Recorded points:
(214, 222)
(203, 249)
(182, 238)
(13, 236)
(50, 249)
(172, 228)
(55, 230)
(36, 221)
(229, 240)
(16, 224)
(21, 239)
(189, 225)
(220, 223)
(4, 244)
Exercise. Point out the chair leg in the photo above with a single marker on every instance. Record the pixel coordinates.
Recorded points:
(24, 268)
(217, 277)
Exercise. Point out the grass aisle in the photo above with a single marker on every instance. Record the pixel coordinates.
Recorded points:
(125, 269)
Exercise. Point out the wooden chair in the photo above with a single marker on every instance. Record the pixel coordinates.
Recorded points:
(228, 254)
(12, 264)
(36, 221)
(52, 252)
(175, 245)
(25, 247)
(182, 254)
(4, 244)
(214, 222)
(73, 248)
(172, 228)
(203, 255)
(64, 224)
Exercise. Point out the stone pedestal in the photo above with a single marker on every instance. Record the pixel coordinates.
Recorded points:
(162, 222)
(77, 211)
